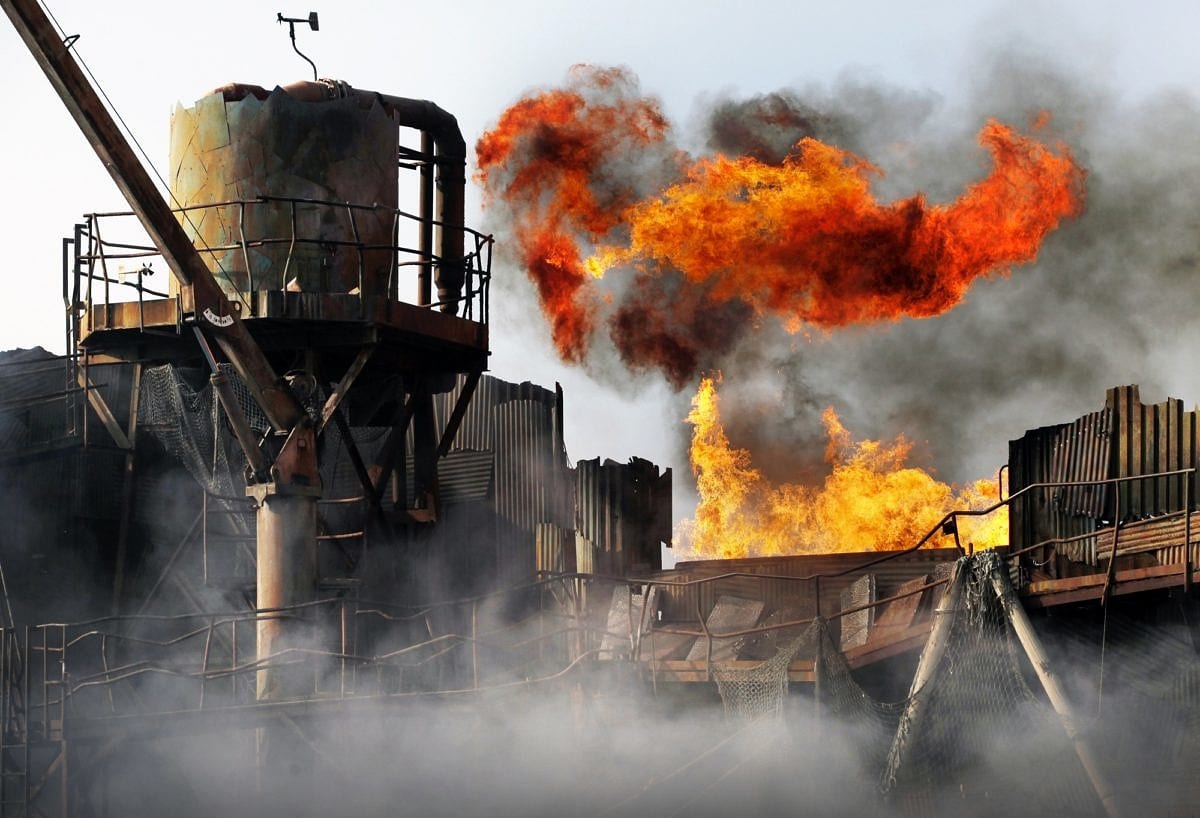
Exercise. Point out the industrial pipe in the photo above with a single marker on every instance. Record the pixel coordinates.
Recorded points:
(1054, 691)
(287, 576)
(927, 666)
(450, 150)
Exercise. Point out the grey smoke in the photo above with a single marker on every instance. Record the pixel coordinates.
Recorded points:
(1110, 300)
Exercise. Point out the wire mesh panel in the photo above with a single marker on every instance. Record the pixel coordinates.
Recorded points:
(759, 691)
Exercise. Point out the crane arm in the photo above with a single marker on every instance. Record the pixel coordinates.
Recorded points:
(217, 317)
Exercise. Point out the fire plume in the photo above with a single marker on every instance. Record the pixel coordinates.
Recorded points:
(870, 501)
(545, 158)
(593, 184)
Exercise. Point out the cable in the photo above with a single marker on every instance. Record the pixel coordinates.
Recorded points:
(133, 138)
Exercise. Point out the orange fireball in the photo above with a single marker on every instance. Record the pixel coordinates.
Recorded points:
(590, 181)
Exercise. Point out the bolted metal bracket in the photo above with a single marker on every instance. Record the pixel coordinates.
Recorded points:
(294, 471)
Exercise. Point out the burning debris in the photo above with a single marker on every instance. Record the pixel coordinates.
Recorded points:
(871, 500)
(709, 245)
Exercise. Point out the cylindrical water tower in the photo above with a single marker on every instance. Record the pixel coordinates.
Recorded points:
(290, 199)
(296, 190)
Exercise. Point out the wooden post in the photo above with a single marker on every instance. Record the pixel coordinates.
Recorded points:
(1054, 690)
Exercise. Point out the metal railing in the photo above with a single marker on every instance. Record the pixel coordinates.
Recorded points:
(366, 649)
(103, 270)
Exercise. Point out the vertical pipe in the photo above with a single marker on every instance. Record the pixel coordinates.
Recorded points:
(1187, 534)
(449, 209)
(1054, 691)
(287, 576)
(927, 666)
(474, 645)
(425, 246)
(344, 650)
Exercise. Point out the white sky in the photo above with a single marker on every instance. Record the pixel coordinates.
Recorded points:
(474, 59)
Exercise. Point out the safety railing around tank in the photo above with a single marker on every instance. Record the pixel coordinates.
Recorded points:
(114, 262)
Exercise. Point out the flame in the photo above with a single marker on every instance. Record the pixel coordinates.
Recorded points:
(592, 185)
(543, 159)
(870, 501)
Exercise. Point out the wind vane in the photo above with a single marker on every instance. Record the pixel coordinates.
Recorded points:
(291, 21)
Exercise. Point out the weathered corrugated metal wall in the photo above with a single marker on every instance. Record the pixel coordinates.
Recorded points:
(1124, 439)
(1150, 439)
(623, 511)
(1069, 452)
(509, 459)
(61, 500)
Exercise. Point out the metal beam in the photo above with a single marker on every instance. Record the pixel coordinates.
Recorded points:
(927, 668)
(102, 411)
(460, 410)
(214, 312)
(127, 492)
(360, 468)
(339, 392)
(391, 447)
(1072, 724)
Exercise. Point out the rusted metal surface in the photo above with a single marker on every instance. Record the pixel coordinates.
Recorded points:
(1070, 452)
(1126, 440)
(287, 576)
(225, 150)
(1149, 439)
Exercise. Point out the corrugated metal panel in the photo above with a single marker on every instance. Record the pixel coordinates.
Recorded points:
(1149, 439)
(1070, 452)
(624, 510)
(1125, 439)
(478, 430)
(531, 475)
(465, 477)
(36, 399)
(555, 549)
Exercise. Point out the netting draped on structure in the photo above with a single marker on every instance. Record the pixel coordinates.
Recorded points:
(759, 691)
(974, 731)
(187, 423)
(981, 728)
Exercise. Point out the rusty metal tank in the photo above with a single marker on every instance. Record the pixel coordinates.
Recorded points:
(264, 178)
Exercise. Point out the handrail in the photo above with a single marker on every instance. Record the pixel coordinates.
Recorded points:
(476, 263)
